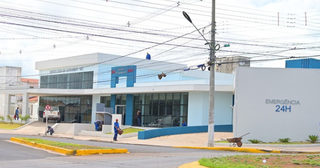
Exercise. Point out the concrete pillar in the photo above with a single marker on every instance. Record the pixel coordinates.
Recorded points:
(7, 104)
(25, 104)
(95, 100)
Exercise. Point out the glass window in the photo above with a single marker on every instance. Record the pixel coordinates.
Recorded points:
(162, 98)
(155, 98)
(136, 98)
(184, 98)
(176, 98)
(184, 110)
(82, 80)
(169, 98)
(142, 99)
(121, 99)
(161, 109)
(148, 99)
(43, 81)
(106, 100)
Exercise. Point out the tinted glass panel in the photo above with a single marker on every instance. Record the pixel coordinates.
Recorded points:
(161, 110)
(82, 80)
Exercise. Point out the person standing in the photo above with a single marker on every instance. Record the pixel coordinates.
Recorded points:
(17, 113)
(116, 128)
(184, 124)
(139, 117)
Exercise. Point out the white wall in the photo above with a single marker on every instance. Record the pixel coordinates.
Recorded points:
(95, 100)
(255, 114)
(198, 110)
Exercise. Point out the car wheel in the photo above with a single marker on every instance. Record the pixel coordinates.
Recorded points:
(58, 120)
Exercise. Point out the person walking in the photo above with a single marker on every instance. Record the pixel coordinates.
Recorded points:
(139, 117)
(17, 113)
(116, 128)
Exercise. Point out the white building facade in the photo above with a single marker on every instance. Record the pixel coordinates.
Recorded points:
(80, 84)
(273, 103)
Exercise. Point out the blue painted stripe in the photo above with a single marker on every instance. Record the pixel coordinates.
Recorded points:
(181, 130)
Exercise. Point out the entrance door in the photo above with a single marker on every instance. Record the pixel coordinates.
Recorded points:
(121, 109)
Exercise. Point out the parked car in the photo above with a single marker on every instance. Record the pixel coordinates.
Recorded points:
(52, 114)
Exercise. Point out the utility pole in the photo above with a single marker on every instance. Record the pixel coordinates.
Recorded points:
(211, 64)
(212, 78)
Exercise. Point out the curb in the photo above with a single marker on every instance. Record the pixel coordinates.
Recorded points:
(47, 147)
(192, 164)
(99, 151)
(68, 151)
(248, 150)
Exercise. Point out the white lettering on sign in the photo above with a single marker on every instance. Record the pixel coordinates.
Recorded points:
(66, 70)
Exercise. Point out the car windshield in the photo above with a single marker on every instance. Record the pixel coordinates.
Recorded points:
(54, 109)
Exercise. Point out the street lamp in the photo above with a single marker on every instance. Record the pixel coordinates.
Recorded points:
(212, 73)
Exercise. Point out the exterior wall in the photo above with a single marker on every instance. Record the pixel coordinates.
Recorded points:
(303, 63)
(95, 100)
(276, 103)
(229, 64)
(198, 110)
(78, 127)
(198, 101)
(11, 76)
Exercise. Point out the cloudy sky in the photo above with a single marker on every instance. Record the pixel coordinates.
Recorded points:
(268, 31)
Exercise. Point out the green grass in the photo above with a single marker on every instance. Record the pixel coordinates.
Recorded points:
(130, 130)
(221, 142)
(5, 125)
(61, 144)
(287, 143)
(252, 161)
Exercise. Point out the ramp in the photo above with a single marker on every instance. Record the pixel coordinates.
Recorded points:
(34, 128)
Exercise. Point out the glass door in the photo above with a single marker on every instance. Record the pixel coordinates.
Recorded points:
(121, 109)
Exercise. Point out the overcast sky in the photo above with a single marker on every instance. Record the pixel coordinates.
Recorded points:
(36, 30)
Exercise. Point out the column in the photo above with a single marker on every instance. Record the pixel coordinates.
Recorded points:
(7, 104)
(95, 100)
(25, 104)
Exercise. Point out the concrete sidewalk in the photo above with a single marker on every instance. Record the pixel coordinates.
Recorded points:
(196, 140)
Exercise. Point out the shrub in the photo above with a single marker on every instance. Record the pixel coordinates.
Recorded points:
(284, 140)
(24, 118)
(2, 118)
(313, 138)
(255, 141)
(10, 118)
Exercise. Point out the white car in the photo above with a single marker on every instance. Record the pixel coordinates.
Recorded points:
(52, 114)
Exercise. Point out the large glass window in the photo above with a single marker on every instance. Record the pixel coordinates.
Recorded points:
(161, 110)
(81, 80)
(106, 100)
(75, 109)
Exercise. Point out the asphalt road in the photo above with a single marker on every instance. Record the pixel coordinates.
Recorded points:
(141, 156)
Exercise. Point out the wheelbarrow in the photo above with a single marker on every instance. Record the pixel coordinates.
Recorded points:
(236, 141)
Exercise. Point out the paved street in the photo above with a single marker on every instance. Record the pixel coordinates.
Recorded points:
(16, 155)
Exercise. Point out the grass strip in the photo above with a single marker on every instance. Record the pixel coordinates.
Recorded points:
(5, 125)
(130, 130)
(70, 146)
(264, 161)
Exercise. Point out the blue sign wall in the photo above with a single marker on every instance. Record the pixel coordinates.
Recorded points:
(129, 72)
(120, 71)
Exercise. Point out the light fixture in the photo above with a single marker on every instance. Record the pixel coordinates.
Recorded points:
(161, 75)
